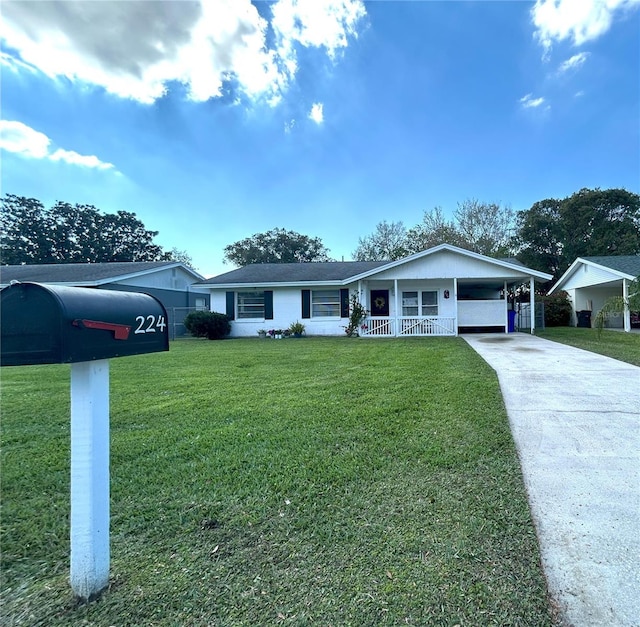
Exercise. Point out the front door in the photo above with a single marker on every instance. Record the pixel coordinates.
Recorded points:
(379, 303)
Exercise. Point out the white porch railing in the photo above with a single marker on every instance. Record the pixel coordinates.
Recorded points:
(408, 326)
(432, 325)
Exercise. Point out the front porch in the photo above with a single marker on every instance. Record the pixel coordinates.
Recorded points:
(436, 307)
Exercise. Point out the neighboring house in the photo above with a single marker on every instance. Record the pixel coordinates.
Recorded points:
(590, 281)
(169, 281)
(441, 291)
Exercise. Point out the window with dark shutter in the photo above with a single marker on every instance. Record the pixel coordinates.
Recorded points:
(306, 303)
(231, 305)
(268, 305)
(344, 303)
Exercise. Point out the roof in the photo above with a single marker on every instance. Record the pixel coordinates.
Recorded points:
(317, 271)
(340, 271)
(86, 273)
(622, 266)
(627, 264)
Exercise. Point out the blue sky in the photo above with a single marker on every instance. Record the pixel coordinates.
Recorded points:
(219, 119)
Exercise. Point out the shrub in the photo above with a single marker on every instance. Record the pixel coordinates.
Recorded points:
(557, 310)
(209, 324)
(357, 314)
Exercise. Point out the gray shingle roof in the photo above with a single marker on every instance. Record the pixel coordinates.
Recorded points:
(76, 272)
(628, 264)
(294, 272)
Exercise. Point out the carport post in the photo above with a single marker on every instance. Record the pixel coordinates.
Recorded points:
(532, 304)
(627, 311)
(89, 477)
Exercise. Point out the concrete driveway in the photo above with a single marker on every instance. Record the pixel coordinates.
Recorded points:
(575, 419)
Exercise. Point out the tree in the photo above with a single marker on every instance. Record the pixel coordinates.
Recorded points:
(433, 231)
(387, 242)
(485, 228)
(553, 233)
(67, 233)
(276, 246)
(179, 255)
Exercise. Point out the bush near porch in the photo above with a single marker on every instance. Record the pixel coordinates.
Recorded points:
(333, 481)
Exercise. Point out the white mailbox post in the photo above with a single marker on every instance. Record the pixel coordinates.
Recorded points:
(50, 324)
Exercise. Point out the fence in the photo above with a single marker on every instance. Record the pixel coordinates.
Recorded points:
(176, 316)
(523, 318)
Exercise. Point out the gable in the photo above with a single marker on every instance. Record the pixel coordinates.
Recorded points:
(449, 264)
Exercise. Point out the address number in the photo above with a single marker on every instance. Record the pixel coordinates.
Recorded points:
(149, 324)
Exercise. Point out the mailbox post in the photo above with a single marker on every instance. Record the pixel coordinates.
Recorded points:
(47, 324)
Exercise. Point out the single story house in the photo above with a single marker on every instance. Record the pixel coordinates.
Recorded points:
(169, 281)
(442, 291)
(590, 281)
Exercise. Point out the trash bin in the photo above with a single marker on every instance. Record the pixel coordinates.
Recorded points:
(584, 318)
(512, 321)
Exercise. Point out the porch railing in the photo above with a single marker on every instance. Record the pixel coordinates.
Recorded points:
(408, 326)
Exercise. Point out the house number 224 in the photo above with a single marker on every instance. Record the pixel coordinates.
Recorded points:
(149, 324)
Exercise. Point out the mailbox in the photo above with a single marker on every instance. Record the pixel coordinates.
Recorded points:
(51, 324)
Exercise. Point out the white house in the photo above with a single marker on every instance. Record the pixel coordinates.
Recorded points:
(441, 291)
(590, 281)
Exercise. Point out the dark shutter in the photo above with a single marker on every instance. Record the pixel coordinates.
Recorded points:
(231, 305)
(268, 305)
(306, 303)
(344, 303)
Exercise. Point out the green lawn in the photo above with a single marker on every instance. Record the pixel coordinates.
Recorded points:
(622, 346)
(264, 482)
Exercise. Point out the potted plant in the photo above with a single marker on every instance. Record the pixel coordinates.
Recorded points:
(262, 334)
(296, 329)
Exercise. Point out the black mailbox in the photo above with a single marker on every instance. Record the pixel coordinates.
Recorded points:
(51, 324)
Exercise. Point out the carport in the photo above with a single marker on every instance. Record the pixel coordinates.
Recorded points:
(591, 281)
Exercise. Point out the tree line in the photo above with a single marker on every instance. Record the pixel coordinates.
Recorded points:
(547, 237)
(65, 233)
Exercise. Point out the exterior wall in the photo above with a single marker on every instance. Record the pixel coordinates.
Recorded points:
(482, 313)
(447, 264)
(165, 279)
(287, 308)
(593, 299)
(169, 298)
(446, 306)
(586, 275)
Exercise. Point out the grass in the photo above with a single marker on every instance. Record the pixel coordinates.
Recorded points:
(263, 482)
(622, 346)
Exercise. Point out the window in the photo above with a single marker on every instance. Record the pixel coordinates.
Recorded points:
(325, 303)
(250, 305)
(201, 304)
(409, 303)
(428, 303)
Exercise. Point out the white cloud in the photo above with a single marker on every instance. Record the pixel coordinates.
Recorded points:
(134, 49)
(577, 20)
(528, 102)
(574, 62)
(21, 139)
(316, 114)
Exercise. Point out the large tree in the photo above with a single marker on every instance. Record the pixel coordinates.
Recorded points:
(553, 233)
(67, 233)
(276, 246)
(486, 228)
(387, 242)
(433, 230)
